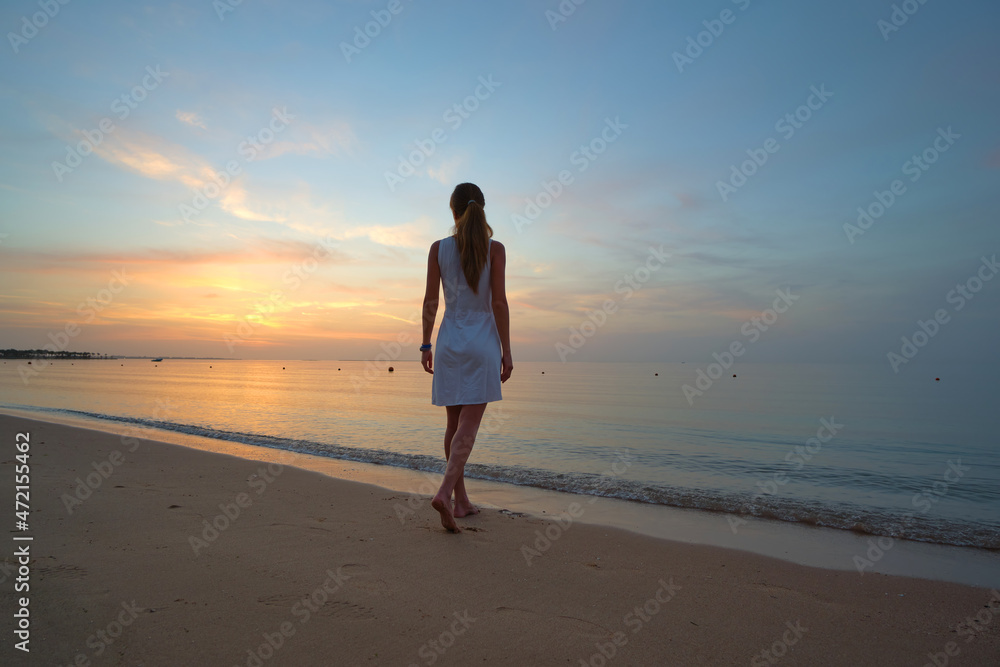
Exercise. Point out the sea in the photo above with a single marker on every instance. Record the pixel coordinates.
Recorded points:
(852, 448)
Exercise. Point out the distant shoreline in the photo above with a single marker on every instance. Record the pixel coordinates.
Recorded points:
(90, 356)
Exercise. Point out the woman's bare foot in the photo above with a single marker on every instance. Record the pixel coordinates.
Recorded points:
(443, 508)
(465, 508)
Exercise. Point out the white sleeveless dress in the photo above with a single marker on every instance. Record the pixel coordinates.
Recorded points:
(467, 355)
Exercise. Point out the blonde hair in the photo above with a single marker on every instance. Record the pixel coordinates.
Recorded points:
(472, 232)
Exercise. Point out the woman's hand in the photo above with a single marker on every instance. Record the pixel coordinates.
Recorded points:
(427, 361)
(506, 366)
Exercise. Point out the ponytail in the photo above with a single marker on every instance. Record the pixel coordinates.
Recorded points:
(472, 232)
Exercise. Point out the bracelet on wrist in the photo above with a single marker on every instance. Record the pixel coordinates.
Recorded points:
(425, 347)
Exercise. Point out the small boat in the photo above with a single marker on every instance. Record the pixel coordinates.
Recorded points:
(159, 359)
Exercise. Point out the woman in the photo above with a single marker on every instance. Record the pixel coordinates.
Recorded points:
(473, 345)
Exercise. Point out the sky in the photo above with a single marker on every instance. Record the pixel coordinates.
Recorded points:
(263, 179)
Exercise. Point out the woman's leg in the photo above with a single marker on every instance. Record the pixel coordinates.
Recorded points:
(458, 452)
(449, 432)
(463, 506)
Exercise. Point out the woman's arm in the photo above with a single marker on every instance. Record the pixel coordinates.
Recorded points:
(431, 294)
(501, 311)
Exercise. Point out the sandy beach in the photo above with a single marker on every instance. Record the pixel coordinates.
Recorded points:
(148, 553)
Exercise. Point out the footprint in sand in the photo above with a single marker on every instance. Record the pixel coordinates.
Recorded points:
(329, 609)
(61, 572)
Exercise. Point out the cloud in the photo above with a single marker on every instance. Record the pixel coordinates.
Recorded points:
(445, 172)
(393, 317)
(234, 201)
(190, 118)
(154, 158)
(257, 251)
(158, 159)
(414, 234)
(333, 138)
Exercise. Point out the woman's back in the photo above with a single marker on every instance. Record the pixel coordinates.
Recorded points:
(459, 299)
